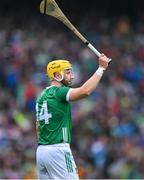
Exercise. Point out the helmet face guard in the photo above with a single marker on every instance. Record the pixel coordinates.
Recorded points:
(57, 66)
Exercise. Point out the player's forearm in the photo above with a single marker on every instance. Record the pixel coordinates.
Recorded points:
(90, 85)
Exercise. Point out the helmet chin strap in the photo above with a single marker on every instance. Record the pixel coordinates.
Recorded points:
(61, 80)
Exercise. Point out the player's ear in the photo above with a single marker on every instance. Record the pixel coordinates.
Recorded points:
(57, 76)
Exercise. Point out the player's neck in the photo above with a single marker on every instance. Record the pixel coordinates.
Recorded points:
(56, 83)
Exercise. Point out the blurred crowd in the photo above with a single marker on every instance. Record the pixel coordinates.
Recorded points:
(108, 126)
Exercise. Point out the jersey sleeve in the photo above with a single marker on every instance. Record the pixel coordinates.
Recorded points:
(62, 93)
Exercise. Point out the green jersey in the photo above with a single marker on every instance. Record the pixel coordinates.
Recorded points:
(54, 116)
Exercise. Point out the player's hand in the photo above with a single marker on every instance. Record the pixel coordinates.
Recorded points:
(103, 61)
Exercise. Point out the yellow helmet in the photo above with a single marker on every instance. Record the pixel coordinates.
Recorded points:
(57, 66)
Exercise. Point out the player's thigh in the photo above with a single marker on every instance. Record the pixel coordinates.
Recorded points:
(61, 164)
(41, 168)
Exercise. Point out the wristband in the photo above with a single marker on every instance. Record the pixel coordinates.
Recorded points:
(100, 71)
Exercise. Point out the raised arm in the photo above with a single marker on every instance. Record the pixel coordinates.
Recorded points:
(90, 85)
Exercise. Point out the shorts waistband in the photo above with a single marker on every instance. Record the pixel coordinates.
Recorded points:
(55, 145)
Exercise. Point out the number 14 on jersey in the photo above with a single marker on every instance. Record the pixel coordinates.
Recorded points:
(42, 114)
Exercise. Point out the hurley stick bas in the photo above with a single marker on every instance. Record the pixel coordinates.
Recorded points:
(51, 8)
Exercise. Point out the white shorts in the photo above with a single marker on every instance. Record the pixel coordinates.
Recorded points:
(56, 162)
